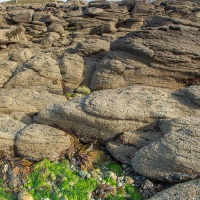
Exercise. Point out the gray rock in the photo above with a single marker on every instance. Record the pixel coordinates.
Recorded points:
(193, 93)
(7, 69)
(155, 57)
(3, 21)
(21, 16)
(93, 46)
(8, 131)
(26, 100)
(104, 114)
(56, 28)
(105, 28)
(21, 55)
(38, 141)
(93, 11)
(184, 191)
(175, 157)
(41, 72)
(72, 68)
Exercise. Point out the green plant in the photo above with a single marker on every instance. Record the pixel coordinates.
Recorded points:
(116, 168)
(5, 193)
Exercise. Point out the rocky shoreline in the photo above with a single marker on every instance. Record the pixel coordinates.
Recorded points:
(80, 80)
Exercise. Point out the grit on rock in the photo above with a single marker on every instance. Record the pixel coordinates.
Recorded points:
(125, 75)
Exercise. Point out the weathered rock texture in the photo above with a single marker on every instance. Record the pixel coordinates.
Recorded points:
(26, 101)
(8, 131)
(38, 141)
(104, 114)
(175, 157)
(41, 72)
(164, 57)
(187, 190)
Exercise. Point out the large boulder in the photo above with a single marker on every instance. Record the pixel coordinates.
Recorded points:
(175, 157)
(163, 57)
(184, 191)
(8, 131)
(21, 16)
(104, 114)
(38, 141)
(41, 72)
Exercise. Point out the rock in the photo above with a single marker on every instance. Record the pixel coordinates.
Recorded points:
(21, 55)
(104, 114)
(93, 11)
(3, 21)
(72, 68)
(21, 16)
(126, 145)
(47, 41)
(26, 100)
(38, 15)
(106, 28)
(187, 190)
(175, 157)
(8, 131)
(41, 72)
(7, 69)
(163, 21)
(24, 195)
(38, 141)
(147, 57)
(193, 93)
(93, 46)
(56, 28)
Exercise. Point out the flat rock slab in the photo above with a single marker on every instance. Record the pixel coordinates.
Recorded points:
(184, 191)
(175, 157)
(38, 141)
(8, 131)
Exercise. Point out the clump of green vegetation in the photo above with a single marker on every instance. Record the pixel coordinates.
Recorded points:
(56, 180)
(110, 181)
(4, 192)
(133, 193)
(83, 90)
(116, 168)
(79, 92)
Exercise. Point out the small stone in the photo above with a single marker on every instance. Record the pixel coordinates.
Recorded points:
(120, 184)
(128, 180)
(83, 174)
(24, 195)
(111, 175)
(124, 166)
